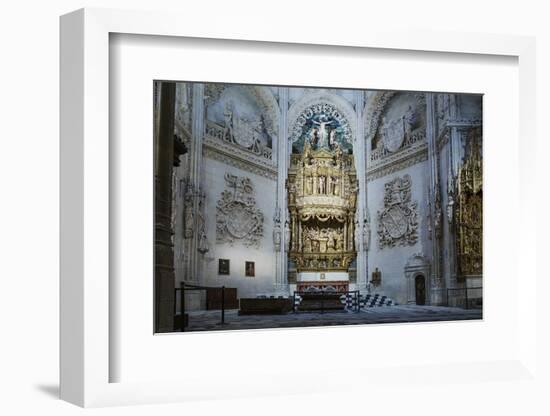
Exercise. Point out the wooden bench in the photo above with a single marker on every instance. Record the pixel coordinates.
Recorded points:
(264, 306)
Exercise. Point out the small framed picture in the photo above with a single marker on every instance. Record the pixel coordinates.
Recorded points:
(223, 266)
(249, 269)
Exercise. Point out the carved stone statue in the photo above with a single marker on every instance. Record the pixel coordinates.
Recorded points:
(336, 187)
(277, 232)
(314, 137)
(329, 185)
(287, 235)
(203, 245)
(292, 194)
(366, 234)
(188, 214)
(332, 139)
(409, 120)
(309, 185)
(450, 208)
(437, 216)
(321, 185)
(228, 118)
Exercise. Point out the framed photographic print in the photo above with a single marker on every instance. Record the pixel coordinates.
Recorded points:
(223, 266)
(389, 158)
(374, 179)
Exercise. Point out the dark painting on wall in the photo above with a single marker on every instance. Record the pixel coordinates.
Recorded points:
(223, 266)
(249, 269)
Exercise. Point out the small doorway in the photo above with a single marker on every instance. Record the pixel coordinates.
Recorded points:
(420, 289)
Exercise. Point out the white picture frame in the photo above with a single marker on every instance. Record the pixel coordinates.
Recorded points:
(85, 352)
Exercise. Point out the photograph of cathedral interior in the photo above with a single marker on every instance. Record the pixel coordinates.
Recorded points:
(279, 207)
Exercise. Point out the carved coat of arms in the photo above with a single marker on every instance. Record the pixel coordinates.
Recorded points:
(237, 217)
(397, 222)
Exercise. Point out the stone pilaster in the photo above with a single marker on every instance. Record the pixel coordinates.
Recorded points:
(164, 252)
(434, 189)
(362, 216)
(454, 157)
(283, 157)
(193, 192)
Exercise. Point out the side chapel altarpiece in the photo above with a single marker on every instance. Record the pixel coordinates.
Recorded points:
(322, 194)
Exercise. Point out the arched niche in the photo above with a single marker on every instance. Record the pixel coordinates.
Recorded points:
(263, 97)
(417, 265)
(380, 102)
(335, 104)
(373, 112)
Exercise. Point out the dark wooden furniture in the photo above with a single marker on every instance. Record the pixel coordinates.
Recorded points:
(214, 298)
(265, 306)
(321, 301)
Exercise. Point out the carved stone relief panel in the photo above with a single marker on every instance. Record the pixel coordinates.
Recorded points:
(399, 123)
(398, 221)
(237, 217)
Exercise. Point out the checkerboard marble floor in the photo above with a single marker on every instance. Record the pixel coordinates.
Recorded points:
(210, 320)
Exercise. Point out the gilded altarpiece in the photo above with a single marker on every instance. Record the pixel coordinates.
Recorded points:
(322, 195)
(469, 212)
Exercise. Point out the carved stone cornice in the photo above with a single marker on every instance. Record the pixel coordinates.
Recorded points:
(408, 157)
(229, 154)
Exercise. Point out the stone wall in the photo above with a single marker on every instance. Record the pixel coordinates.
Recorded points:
(391, 261)
(238, 252)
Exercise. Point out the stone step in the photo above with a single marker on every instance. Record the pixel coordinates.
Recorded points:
(347, 301)
(374, 300)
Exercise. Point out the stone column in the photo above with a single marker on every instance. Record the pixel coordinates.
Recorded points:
(434, 196)
(454, 157)
(164, 251)
(193, 195)
(283, 155)
(360, 167)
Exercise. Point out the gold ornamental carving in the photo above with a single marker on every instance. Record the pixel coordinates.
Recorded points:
(469, 214)
(322, 196)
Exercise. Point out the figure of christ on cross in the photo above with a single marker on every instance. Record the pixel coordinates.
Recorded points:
(323, 131)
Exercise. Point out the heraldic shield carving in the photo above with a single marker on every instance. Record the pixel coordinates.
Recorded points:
(397, 222)
(237, 217)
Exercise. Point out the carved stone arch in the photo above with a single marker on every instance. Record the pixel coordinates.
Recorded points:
(375, 106)
(269, 107)
(417, 265)
(373, 112)
(321, 97)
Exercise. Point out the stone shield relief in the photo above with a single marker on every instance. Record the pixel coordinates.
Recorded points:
(237, 217)
(398, 222)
